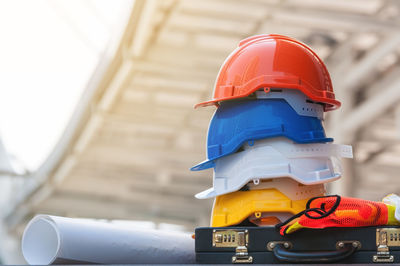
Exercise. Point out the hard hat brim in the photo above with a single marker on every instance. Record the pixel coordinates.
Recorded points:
(207, 164)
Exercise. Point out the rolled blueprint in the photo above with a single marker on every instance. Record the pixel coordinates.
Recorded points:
(54, 240)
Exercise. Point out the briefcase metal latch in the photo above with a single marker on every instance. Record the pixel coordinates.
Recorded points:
(241, 255)
(386, 237)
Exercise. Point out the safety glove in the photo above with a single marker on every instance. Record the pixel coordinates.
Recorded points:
(394, 200)
(337, 211)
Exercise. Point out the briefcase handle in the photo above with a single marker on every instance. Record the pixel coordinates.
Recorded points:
(283, 254)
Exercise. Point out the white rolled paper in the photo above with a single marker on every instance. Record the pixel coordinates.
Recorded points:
(52, 240)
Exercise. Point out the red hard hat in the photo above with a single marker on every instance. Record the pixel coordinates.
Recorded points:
(273, 61)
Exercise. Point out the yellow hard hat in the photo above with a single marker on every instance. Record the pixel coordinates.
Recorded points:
(261, 206)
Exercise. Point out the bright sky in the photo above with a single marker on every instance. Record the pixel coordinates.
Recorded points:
(48, 51)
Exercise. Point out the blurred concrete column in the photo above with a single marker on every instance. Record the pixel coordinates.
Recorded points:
(10, 250)
(339, 67)
(345, 185)
(5, 163)
(397, 120)
(10, 247)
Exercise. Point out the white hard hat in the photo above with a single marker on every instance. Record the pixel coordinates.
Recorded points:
(276, 158)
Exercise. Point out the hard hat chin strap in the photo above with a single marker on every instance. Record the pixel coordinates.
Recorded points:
(321, 211)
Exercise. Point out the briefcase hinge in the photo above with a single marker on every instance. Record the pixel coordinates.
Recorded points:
(386, 237)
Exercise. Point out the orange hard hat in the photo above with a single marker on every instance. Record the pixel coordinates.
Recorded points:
(273, 61)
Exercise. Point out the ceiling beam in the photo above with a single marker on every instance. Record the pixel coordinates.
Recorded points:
(328, 20)
(128, 187)
(358, 73)
(91, 206)
(372, 108)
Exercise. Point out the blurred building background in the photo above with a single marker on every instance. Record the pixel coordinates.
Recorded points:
(132, 133)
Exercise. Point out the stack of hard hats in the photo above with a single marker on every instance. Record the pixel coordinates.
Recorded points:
(266, 141)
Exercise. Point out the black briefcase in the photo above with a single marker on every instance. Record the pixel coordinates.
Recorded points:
(223, 245)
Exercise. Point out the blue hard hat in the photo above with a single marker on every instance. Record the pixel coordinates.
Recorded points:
(236, 122)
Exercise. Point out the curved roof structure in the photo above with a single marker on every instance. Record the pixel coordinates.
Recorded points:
(128, 148)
